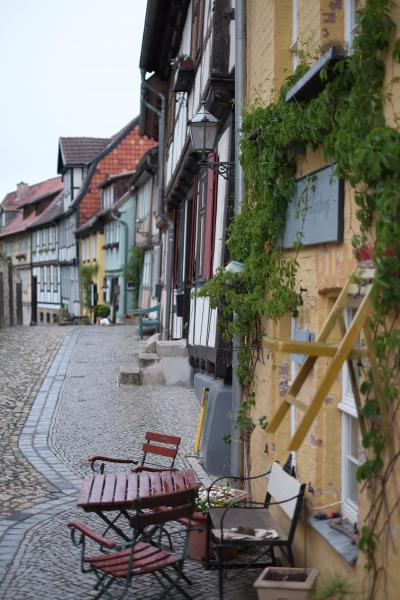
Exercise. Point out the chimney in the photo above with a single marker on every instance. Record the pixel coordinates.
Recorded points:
(21, 189)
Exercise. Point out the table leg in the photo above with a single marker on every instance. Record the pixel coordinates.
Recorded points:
(111, 525)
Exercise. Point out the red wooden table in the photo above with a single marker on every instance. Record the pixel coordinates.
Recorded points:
(131, 491)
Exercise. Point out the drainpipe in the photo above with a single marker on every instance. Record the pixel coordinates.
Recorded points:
(237, 445)
(161, 114)
(119, 220)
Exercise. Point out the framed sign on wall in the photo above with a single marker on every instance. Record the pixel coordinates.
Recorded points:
(315, 213)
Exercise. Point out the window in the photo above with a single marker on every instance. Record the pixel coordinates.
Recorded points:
(94, 247)
(205, 224)
(48, 278)
(351, 446)
(67, 180)
(146, 277)
(350, 463)
(143, 207)
(200, 226)
(108, 197)
(350, 22)
(41, 279)
(197, 28)
(77, 178)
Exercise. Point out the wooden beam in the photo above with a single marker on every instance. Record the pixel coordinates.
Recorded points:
(297, 403)
(309, 348)
(332, 371)
(308, 364)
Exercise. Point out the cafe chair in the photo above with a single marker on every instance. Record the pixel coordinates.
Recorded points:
(125, 563)
(250, 526)
(155, 444)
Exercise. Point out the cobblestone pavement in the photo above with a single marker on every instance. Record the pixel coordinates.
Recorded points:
(25, 354)
(79, 410)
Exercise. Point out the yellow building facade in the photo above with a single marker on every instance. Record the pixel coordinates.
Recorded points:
(91, 253)
(280, 35)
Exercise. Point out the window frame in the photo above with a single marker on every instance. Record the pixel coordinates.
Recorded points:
(349, 414)
(350, 22)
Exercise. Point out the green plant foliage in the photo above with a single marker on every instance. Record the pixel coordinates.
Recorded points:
(86, 274)
(347, 121)
(101, 311)
(134, 269)
(337, 588)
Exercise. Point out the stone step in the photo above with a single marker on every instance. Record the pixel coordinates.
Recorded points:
(148, 358)
(130, 375)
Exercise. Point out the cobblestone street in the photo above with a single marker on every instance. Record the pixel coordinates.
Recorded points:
(60, 401)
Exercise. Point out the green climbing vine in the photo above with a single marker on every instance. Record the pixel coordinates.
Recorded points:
(347, 121)
(86, 274)
(134, 269)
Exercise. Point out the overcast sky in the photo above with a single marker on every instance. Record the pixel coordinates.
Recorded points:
(67, 68)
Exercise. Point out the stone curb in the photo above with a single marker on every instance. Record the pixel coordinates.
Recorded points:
(33, 444)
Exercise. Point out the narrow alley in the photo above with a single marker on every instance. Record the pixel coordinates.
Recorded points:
(64, 382)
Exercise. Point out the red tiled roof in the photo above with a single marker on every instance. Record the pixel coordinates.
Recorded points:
(31, 193)
(80, 150)
(122, 154)
(18, 224)
(54, 210)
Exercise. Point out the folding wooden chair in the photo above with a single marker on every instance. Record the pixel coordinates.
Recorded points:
(155, 444)
(127, 562)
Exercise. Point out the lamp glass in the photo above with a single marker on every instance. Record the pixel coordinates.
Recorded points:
(203, 130)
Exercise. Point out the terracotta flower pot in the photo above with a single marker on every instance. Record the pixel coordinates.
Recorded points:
(197, 540)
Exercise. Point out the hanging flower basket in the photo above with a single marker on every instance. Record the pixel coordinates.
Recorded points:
(184, 75)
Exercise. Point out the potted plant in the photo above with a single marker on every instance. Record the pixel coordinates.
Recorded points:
(285, 583)
(184, 73)
(217, 497)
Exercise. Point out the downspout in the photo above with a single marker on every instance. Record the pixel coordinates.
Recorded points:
(240, 35)
(161, 114)
(119, 220)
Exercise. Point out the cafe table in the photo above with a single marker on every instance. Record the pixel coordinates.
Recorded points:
(128, 491)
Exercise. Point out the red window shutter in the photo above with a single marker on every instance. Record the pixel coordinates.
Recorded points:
(211, 207)
(176, 239)
(193, 229)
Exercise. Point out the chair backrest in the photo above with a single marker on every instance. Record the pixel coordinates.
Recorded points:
(145, 311)
(160, 444)
(181, 504)
(282, 486)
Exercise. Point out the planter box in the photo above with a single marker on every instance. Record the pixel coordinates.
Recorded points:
(184, 76)
(279, 583)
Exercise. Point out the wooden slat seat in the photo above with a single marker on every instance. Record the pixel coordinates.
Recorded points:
(146, 559)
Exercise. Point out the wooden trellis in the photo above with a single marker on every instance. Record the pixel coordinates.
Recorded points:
(358, 285)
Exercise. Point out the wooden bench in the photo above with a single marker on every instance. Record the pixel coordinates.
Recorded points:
(146, 321)
(283, 490)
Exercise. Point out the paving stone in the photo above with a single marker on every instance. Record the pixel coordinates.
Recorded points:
(88, 413)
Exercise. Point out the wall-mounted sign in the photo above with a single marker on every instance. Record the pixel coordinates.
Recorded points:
(315, 214)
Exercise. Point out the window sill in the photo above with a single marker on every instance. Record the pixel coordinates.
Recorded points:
(338, 541)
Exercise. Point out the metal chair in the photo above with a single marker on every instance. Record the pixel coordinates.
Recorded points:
(249, 517)
(129, 561)
(146, 321)
(155, 444)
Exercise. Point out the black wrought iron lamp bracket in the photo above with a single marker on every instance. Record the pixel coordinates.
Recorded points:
(225, 169)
